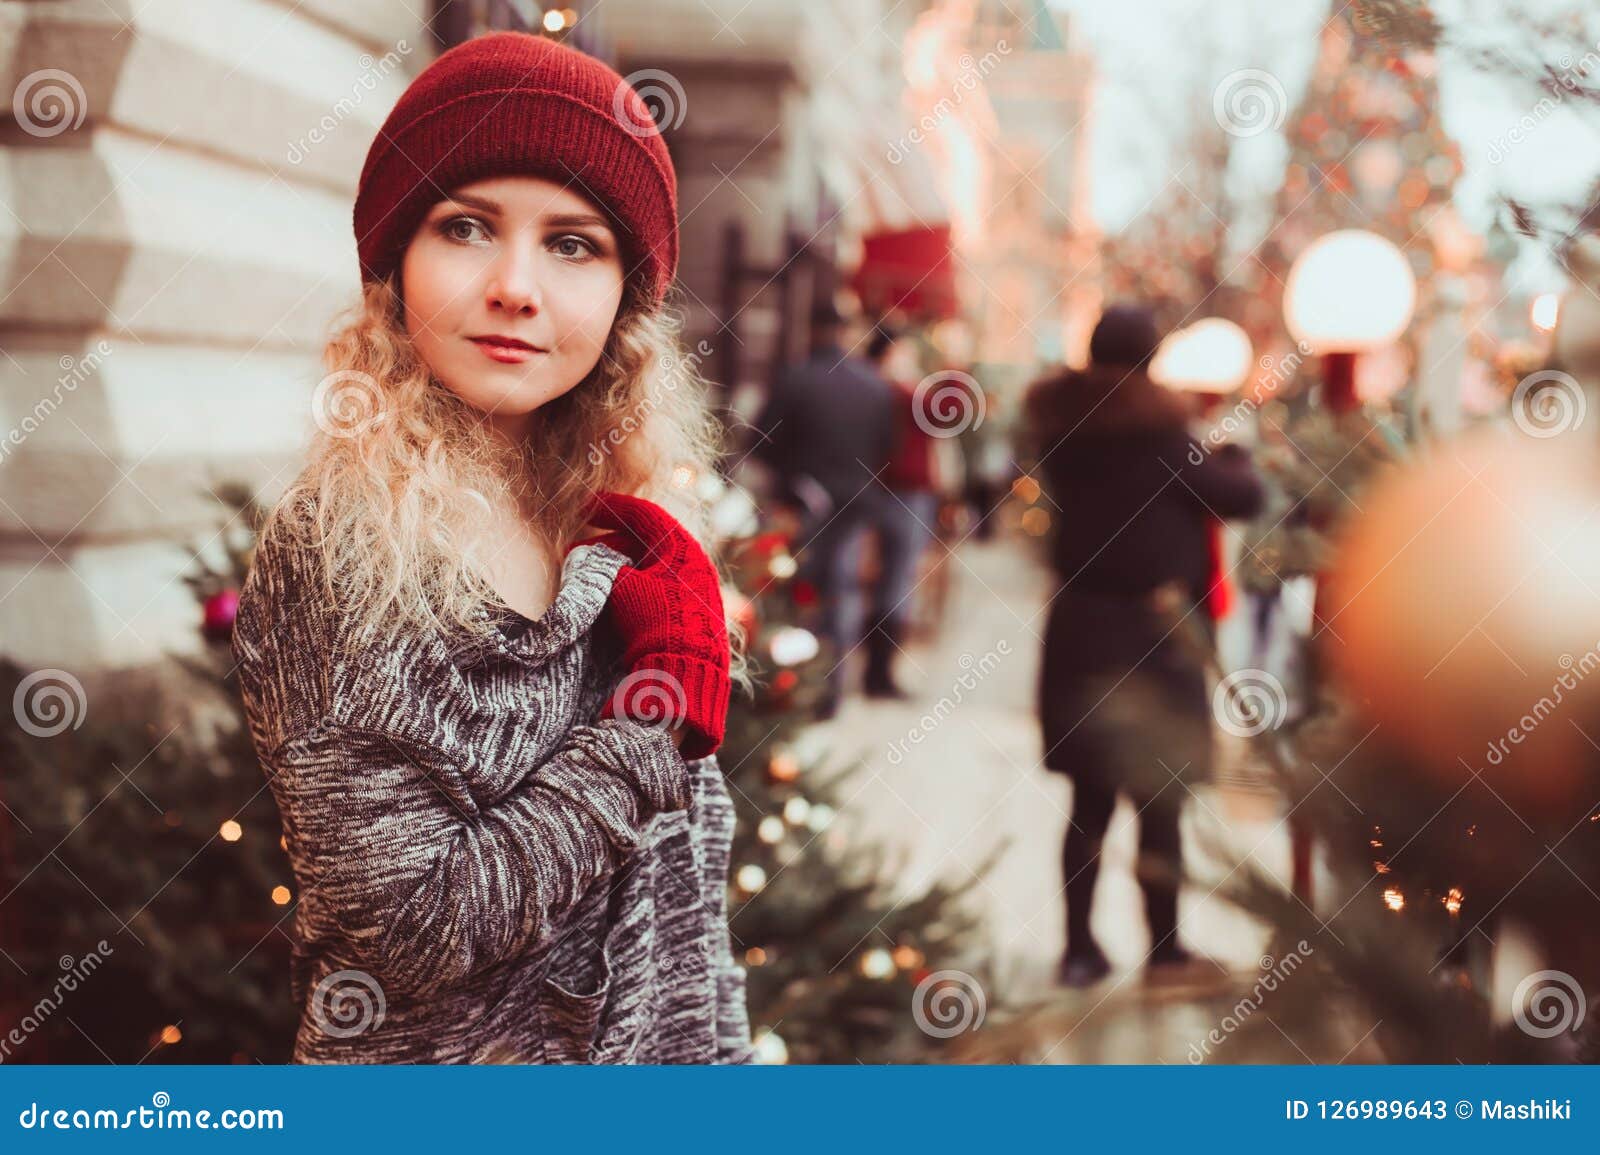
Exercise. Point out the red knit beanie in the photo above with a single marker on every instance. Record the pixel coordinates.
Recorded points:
(513, 103)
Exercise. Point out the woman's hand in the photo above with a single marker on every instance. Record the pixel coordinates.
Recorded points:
(665, 611)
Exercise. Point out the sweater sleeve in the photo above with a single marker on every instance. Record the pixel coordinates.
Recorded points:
(428, 888)
(1224, 482)
(715, 811)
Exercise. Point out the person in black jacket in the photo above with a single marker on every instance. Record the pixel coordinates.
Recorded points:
(1122, 692)
(827, 430)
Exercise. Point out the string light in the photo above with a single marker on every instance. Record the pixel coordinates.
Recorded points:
(280, 895)
(784, 767)
(796, 811)
(230, 831)
(907, 957)
(1393, 899)
(877, 963)
(751, 878)
(1452, 900)
(771, 830)
(770, 1049)
(1545, 311)
(792, 646)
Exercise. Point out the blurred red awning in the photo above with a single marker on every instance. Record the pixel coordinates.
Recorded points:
(908, 269)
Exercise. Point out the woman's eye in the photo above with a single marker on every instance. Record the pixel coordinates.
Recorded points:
(465, 229)
(574, 246)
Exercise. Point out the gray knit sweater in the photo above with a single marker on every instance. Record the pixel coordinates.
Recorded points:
(485, 871)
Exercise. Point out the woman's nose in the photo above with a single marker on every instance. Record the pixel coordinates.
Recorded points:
(514, 282)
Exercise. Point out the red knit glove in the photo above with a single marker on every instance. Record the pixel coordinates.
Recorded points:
(665, 611)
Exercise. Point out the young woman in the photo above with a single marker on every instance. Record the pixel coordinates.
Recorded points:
(490, 733)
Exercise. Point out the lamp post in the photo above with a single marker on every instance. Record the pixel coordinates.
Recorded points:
(1213, 356)
(1349, 292)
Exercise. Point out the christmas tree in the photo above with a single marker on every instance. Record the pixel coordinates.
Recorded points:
(839, 969)
(1543, 57)
(146, 864)
(1367, 150)
(148, 895)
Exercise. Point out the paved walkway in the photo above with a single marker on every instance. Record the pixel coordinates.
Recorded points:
(955, 772)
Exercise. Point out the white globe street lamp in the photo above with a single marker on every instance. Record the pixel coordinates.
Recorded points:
(1210, 356)
(1349, 292)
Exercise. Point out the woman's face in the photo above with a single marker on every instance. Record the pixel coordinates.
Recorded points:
(510, 286)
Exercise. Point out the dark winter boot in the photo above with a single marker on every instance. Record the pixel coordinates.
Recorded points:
(1082, 966)
(882, 641)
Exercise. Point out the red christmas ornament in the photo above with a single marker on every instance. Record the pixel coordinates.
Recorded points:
(803, 593)
(219, 611)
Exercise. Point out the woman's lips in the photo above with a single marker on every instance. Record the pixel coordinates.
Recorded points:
(505, 352)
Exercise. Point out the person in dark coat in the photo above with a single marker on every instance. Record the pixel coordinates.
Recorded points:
(1122, 691)
(827, 430)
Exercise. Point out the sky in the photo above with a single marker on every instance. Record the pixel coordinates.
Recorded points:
(1160, 59)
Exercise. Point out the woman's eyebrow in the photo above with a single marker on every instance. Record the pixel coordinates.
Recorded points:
(554, 220)
(572, 220)
(483, 204)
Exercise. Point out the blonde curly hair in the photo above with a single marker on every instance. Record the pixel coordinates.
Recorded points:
(403, 477)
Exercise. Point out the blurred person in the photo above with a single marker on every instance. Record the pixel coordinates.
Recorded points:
(989, 466)
(454, 688)
(909, 517)
(1121, 697)
(826, 431)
